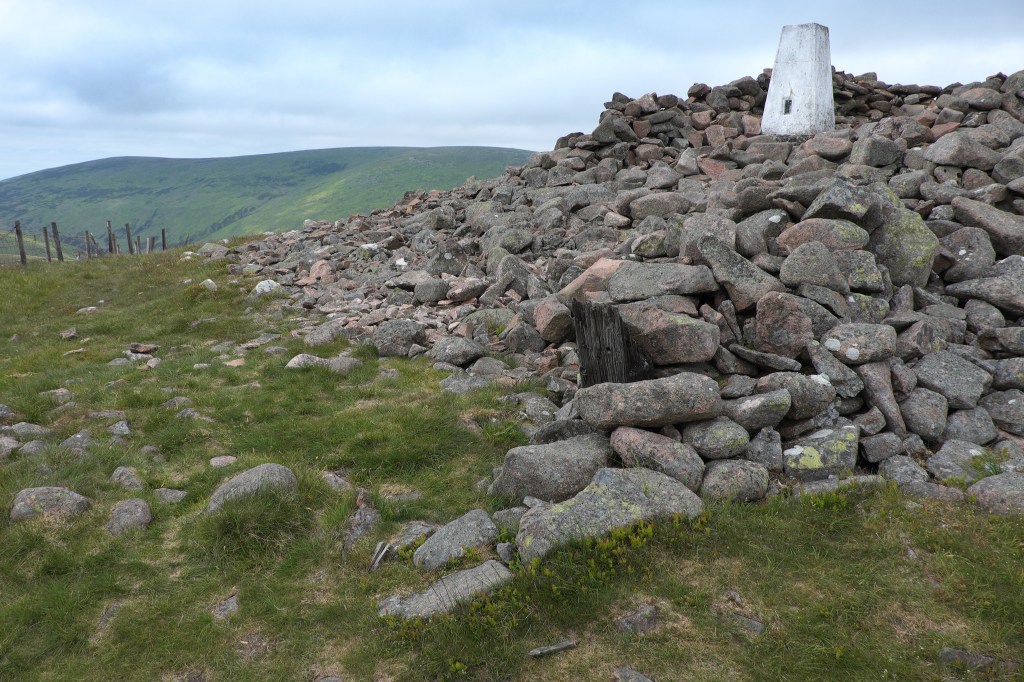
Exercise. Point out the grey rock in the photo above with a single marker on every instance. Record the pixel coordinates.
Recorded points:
(683, 397)
(718, 438)
(552, 472)
(859, 343)
(744, 282)
(448, 592)
(630, 675)
(924, 413)
(412, 532)
(616, 498)
(78, 443)
(973, 426)
(881, 447)
(877, 378)
(902, 469)
(7, 415)
(639, 281)
(1005, 229)
(931, 491)
(904, 245)
(736, 480)
(1000, 494)
(48, 501)
(1006, 409)
(638, 621)
(758, 411)
(456, 350)
(959, 149)
(463, 384)
(809, 395)
(341, 365)
(639, 448)
(451, 541)
(259, 479)
(955, 460)
(396, 337)
(508, 519)
(266, 287)
(812, 263)
(170, 495)
(226, 608)
(960, 381)
(559, 430)
(33, 447)
(765, 448)
(127, 478)
(129, 515)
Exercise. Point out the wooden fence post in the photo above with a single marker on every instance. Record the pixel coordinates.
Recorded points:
(21, 242)
(128, 231)
(46, 238)
(138, 244)
(607, 351)
(56, 242)
(88, 244)
(110, 239)
(150, 244)
(163, 239)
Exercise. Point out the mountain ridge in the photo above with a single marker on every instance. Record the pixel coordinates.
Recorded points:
(213, 197)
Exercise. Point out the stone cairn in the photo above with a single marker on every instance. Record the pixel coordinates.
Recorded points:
(817, 310)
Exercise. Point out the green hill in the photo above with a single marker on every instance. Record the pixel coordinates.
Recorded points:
(209, 198)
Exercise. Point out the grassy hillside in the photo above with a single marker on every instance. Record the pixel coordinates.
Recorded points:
(855, 585)
(208, 198)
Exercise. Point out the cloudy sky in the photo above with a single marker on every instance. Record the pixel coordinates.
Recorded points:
(199, 78)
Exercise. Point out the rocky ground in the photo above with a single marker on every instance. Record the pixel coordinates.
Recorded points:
(836, 309)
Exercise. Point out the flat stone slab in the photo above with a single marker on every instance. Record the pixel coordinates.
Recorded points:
(472, 529)
(683, 397)
(448, 592)
(616, 498)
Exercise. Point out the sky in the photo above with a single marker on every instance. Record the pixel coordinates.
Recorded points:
(205, 78)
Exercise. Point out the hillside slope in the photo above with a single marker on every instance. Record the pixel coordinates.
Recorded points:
(209, 198)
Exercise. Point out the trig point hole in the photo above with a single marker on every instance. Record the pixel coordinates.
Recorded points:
(800, 94)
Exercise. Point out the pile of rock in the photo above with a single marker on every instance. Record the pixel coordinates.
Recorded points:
(847, 303)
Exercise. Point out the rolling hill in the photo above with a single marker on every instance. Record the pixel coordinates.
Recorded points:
(219, 197)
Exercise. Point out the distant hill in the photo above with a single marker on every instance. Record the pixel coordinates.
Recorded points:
(211, 198)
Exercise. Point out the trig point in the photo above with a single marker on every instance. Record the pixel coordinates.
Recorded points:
(800, 94)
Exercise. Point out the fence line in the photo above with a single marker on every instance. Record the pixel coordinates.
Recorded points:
(20, 245)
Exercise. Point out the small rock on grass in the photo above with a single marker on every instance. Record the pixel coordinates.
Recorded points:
(129, 515)
(448, 592)
(48, 501)
(259, 479)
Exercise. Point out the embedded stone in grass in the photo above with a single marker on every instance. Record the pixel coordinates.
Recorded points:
(7, 446)
(7, 415)
(24, 431)
(262, 478)
(170, 495)
(473, 529)
(551, 472)
(822, 454)
(630, 675)
(266, 288)
(48, 501)
(340, 365)
(955, 460)
(683, 397)
(129, 515)
(448, 592)
(126, 477)
(1000, 494)
(463, 384)
(616, 498)
(226, 608)
(222, 461)
(902, 469)
(396, 337)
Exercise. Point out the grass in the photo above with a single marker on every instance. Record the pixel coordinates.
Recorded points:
(858, 585)
(203, 199)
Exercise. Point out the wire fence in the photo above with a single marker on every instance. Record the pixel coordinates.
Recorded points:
(20, 246)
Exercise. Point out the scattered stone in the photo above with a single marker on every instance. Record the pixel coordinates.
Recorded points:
(48, 502)
(262, 478)
(127, 478)
(541, 651)
(448, 592)
(129, 515)
(1000, 494)
(221, 461)
(451, 541)
(170, 495)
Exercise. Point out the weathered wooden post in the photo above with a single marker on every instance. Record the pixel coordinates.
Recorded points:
(150, 244)
(163, 239)
(607, 351)
(110, 239)
(138, 244)
(128, 232)
(46, 240)
(56, 242)
(800, 100)
(88, 244)
(21, 242)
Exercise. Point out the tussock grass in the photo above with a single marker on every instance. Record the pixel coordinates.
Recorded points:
(858, 585)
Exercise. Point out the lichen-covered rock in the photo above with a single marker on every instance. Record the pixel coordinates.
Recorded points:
(735, 480)
(755, 412)
(858, 343)
(955, 459)
(616, 498)
(904, 244)
(129, 515)
(828, 452)
(552, 472)
(48, 501)
(448, 592)
(718, 438)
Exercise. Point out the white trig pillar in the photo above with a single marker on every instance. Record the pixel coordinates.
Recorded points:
(800, 98)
